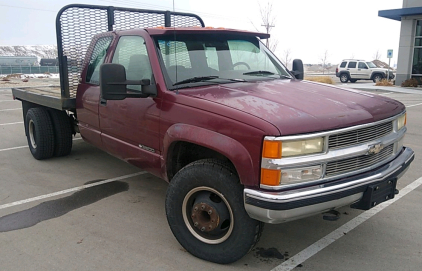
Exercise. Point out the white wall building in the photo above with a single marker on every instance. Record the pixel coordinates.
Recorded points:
(409, 63)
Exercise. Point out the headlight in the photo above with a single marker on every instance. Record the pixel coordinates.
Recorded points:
(298, 175)
(401, 121)
(302, 147)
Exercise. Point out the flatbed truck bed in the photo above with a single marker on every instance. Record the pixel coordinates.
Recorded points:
(48, 96)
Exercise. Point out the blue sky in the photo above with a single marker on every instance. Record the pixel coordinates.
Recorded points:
(308, 28)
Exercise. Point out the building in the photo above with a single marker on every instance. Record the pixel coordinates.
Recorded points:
(409, 63)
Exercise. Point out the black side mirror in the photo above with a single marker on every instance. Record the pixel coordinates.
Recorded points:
(297, 69)
(110, 74)
(113, 84)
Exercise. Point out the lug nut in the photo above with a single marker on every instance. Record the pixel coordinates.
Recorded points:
(196, 224)
(203, 229)
(203, 207)
(195, 209)
(210, 212)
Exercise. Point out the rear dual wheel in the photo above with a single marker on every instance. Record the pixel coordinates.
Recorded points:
(49, 132)
(205, 211)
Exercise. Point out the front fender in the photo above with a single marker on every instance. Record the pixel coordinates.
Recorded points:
(222, 144)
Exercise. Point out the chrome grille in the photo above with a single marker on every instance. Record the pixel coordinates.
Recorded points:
(357, 163)
(359, 136)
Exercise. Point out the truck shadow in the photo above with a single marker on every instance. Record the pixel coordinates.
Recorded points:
(59, 207)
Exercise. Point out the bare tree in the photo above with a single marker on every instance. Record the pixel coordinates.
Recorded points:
(286, 58)
(376, 55)
(324, 61)
(268, 21)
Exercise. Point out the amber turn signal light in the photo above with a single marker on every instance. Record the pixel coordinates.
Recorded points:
(271, 149)
(270, 176)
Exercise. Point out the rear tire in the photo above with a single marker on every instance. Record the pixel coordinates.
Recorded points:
(344, 77)
(205, 211)
(62, 132)
(40, 133)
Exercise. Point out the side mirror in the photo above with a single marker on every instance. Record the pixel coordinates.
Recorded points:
(113, 84)
(112, 79)
(297, 69)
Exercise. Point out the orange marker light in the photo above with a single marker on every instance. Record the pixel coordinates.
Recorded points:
(271, 149)
(270, 176)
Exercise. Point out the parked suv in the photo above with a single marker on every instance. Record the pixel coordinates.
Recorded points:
(356, 69)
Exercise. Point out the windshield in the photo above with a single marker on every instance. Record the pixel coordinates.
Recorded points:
(371, 65)
(202, 59)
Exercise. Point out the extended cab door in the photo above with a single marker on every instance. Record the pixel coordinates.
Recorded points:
(88, 94)
(130, 127)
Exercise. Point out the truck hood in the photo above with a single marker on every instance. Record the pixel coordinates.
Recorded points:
(297, 107)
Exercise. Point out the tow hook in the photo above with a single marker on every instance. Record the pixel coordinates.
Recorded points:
(332, 215)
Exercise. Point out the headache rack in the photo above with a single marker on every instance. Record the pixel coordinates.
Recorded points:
(76, 24)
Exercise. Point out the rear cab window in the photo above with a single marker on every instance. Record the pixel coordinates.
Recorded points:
(98, 55)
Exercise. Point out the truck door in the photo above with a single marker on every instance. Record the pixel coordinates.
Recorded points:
(130, 127)
(88, 97)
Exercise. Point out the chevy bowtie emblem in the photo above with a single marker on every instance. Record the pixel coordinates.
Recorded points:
(374, 149)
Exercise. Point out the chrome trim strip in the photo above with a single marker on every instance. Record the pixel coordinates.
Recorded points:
(332, 132)
(320, 190)
(333, 155)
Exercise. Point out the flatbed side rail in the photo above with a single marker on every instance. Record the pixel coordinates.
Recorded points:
(76, 24)
(48, 96)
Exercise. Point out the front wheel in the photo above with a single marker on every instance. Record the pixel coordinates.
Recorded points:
(205, 211)
(377, 78)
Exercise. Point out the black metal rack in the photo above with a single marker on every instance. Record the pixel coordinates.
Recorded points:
(76, 24)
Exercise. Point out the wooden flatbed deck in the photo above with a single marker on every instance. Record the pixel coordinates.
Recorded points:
(49, 96)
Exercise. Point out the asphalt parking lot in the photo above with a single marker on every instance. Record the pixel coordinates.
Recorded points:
(91, 211)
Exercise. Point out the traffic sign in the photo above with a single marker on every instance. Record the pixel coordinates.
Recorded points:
(390, 53)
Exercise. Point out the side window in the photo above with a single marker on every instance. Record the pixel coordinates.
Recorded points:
(97, 58)
(131, 52)
(343, 64)
(352, 64)
(362, 65)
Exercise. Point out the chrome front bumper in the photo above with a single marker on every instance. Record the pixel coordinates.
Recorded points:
(277, 207)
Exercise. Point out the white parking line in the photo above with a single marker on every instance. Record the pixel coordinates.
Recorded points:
(414, 105)
(11, 123)
(10, 109)
(340, 232)
(26, 146)
(8, 205)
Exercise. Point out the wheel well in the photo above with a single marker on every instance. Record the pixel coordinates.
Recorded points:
(182, 153)
(376, 73)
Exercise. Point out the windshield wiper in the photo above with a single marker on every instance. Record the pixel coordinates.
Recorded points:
(195, 79)
(206, 78)
(259, 73)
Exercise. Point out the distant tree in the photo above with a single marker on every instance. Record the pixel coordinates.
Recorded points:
(268, 20)
(324, 62)
(286, 58)
(376, 55)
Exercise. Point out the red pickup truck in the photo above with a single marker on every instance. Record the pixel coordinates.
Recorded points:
(240, 139)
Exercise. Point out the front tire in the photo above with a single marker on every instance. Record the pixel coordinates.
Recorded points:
(205, 211)
(377, 78)
(40, 133)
